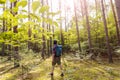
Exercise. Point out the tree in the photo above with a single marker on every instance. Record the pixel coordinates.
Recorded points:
(9, 46)
(3, 30)
(117, 2)
(61, 32)
(51, 27)
(29, 29)
(77, 29)
(49, 47)
(66, 15)
(16, 49)
(87, 24)
(106, 32)
(43, 37)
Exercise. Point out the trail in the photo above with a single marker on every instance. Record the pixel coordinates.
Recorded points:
(42, 72)
(74, 69)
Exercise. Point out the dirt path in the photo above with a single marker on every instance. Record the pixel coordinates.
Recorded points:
(42, 72)
(73, 70)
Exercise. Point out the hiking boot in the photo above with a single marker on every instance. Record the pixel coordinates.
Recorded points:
(62, 75)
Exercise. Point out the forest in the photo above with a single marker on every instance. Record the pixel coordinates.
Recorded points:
(87, 30)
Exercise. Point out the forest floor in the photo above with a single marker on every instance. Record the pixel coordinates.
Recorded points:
(74, 69)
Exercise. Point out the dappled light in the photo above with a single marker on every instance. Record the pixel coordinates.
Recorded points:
(59, 40)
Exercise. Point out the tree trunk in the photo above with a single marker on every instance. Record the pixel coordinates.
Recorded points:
(82, 8)
(106, 32)
(48, 30)
(29, 29)
(9, 46)
(87, 24)
(3, 30)
(77, 29)
(16, 49)
(43, 37)
(65, 18)
(97, 21)
(117, 3)
(116, 24)
(61, 32)
(51, 27)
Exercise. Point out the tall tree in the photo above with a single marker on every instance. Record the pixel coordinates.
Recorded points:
(43, 37)
(97, 9)
(117, 3)
(106, 32)
(16, 49)
(61, 32)
(3, 30)
(51, 28)
(9, 46)
(48, 30)
(77, 28)
(116, 24)
(87, 24)
(29, 29)
(65, 9)
(81, 7)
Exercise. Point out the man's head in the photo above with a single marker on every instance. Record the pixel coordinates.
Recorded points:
(55, 42)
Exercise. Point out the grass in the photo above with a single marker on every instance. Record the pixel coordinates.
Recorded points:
(73, 70)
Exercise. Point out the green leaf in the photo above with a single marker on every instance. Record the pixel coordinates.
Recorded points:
(5, 14)
(2, 1)
(33, 16)
(21, 3)
(1, 6)
(1, 40)
(24, 11)
(55, 23)
(20, 16)
(54, 13)
(35, 5)
(29, 23)
(43, 9)
(15, 21)
(12, 1)
(15, 9)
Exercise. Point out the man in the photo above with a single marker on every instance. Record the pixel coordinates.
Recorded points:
(56, 59)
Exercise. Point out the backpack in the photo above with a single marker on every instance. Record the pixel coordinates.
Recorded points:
(58, 50)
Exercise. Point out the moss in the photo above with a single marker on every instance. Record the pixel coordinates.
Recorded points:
(73, 70)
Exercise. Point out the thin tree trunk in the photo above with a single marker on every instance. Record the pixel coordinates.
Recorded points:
(116, 24)
(97, 23)
(43, 37)
(65, 18)
(61, 32)
(117, 3)
(87, 24)
(77, 29)
(106, 32)
(82, 10)
(48, 30)
(52, 27)
(16, 49)
(3, 30)
(9, 46)
(29, 29)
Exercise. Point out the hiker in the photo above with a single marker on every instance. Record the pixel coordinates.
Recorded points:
(56, 57)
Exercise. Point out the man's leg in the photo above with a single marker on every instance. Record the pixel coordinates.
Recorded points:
(61, 70)
(52, 70)
(53, 65)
